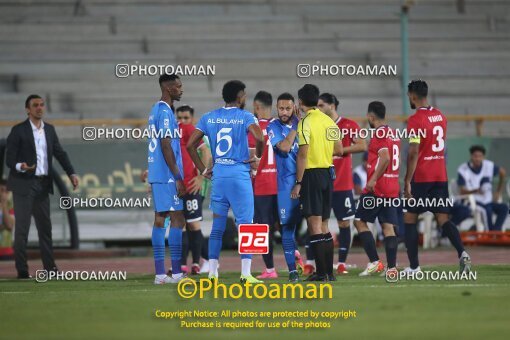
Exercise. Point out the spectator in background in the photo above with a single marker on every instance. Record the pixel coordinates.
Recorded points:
(475, 177)
(6, 219)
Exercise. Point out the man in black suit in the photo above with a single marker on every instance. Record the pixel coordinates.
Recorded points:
(31, 146)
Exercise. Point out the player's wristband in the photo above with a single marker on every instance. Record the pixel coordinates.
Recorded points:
(203, 172)
(298, 182)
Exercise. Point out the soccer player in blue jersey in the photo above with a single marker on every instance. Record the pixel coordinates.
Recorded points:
(227, 129)
(165, 176)
(282, 133)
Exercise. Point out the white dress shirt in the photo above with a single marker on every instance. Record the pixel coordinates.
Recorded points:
(41, 150)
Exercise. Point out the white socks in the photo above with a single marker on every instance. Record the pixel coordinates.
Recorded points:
(213, 267)
(245, 267)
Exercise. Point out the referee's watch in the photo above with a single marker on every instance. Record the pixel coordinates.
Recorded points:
(297, 182)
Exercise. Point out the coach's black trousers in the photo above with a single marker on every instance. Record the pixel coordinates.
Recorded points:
(37, 204)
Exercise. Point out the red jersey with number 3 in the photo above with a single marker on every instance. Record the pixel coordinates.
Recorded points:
(387, 185)
(431, 166)
(188, 166)
(264, 182)
(343, 165)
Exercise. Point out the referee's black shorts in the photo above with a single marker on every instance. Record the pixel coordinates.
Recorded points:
(316, 193)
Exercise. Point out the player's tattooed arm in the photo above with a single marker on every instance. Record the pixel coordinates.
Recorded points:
(382, 165)
(412, 160)
(286, 144)
(259, 138)
(193, 141)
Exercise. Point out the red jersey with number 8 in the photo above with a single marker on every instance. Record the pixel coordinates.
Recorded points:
(264, 182)
(387, 185)
(431, 166)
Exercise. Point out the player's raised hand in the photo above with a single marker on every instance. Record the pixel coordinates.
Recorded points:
(181, 189)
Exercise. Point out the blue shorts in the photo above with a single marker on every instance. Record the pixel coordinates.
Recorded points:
(288, 209)
(165, 197)
(232, 190)
(369, 212)
(429, 191)
(343, 205)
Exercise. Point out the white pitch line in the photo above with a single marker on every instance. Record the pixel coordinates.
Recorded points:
(15, 292)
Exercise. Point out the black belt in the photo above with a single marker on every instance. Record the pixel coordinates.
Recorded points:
(42, 177)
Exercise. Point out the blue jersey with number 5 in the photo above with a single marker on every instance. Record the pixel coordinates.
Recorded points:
(227, 130)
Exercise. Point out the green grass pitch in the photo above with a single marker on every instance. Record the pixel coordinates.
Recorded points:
(125, 309)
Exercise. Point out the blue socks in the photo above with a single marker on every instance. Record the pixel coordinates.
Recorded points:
(158, 247)
(175, 245)
(289, 246)
(216, 237)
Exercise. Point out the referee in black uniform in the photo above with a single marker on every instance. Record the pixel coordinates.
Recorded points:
(319, 138)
